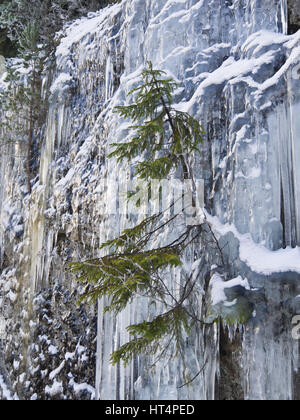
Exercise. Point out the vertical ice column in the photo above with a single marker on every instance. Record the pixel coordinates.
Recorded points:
(295, 135)
(284, 16)
(109, 79)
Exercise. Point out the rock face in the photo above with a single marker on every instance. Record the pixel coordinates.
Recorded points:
(294, 15)
(238, 72)
(7, 48)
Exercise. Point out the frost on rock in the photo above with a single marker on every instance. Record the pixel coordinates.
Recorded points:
(238, 73)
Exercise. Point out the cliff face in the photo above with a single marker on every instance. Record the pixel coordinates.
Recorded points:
(238, 72)
(294, 15)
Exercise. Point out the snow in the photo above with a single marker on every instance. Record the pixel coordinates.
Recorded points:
(290, 63)
(61, 82)
(78, 388)
(57, 371)
(261, 39)
(83, 27)
(69, 356)
(236, 70)
(16, 364)
(55, 389)
(258, 257)
(219, 285)
(12, 296)
(4, 390)
(231, 70)
(53, 350)
(64, 181)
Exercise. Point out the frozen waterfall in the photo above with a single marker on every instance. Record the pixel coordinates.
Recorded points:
(238, 72)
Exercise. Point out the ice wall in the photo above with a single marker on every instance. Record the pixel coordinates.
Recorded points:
(238, 74)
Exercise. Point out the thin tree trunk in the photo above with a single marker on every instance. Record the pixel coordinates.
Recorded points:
(29, 146)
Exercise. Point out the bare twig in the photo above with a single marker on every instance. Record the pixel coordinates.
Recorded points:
(195, 377)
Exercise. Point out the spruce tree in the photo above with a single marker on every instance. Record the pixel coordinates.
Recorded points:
(21, 102)
(174, 134)
(130, 268)
(29, 32)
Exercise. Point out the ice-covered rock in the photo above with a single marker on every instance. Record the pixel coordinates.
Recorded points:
(238, 73)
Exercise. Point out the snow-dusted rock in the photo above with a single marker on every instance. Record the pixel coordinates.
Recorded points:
(238, 72)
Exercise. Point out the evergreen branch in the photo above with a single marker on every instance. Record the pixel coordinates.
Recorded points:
(168, 138)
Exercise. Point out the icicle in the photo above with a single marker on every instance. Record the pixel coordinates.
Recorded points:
(109, 79)
(284, 16)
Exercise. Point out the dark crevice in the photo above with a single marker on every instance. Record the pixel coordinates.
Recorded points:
(230, 382)
(292, 29)
(282, 217)
(7, 48)
(296, 381)
(293, 16)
